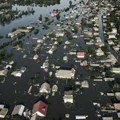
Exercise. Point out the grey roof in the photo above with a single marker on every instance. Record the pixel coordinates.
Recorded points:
(18, 110)
(3, 112)
(70, 92)
(45, 88)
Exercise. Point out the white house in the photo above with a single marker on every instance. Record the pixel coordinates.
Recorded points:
(116, 70)
(68, 96)
(99, 52)
(107, 118)
(85, 84)
(3, 72)
(45, 88)
(18, 110)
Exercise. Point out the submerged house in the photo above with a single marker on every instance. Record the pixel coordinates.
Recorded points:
(65, 73)
(85, 84)
(3, 112)
(68, 96)
(45, 88)
(40, 109)
(80, 54)
(3, 72)
(18, 110)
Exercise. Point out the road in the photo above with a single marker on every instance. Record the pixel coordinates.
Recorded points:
(101, 34)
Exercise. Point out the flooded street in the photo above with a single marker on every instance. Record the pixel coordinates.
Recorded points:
(26, 89)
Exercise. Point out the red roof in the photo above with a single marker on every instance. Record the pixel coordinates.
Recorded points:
(81, 53)
(40, 107)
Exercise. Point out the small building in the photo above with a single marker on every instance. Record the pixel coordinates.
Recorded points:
(68, 96)
(107, 118)
(81, 117)
(99, 52)
(40, 109)
(84, 84)
(117, 106)
(112, 36)
(18, 32)
(18, 110)
(35, 117)
(45, 88)
(59, 34)
(3, 72)
(117, 95)
(80, 54)
(118, 114)
(3, 112)
(17, 73)
(35, 57)
(54, 13)
(116, 70)
(54, 88)
(65, 73)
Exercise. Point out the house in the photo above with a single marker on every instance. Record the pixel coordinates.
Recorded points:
(118, 114)
(116, 48)
(99, 52)
(35, 57)
(81, 117)
(1, 106)
(80, 54)
(65, 73)
(54, 88)
(112, 36)
(29, 27)
(78, 23)
(88, 33)
(116, 70)
(40, 109)
(18, 110)
(35, 117)
(54, 13)
(117, 95)
(3, 72)
(45, 88)
(110, 42)
(114, 30)
(117, 106)
(84, 84)
(59, 34)
(110, 59)
(3, 112)
(109, 79)
(18, 32)
(17, 73)
(68, 96)
(107, 118)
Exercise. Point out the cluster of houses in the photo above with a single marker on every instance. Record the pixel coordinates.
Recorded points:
(89, 59)
(39, 110)
(9, 70)
(111, 34)
(20, 32)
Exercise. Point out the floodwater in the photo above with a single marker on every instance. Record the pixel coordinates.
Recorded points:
(14, 90)
(26, 20)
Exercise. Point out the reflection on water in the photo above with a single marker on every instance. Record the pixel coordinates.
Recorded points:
(26, 20)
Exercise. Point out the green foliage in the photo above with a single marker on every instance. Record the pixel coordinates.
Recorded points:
(68, 35)
(40, 18)
(36, 31)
